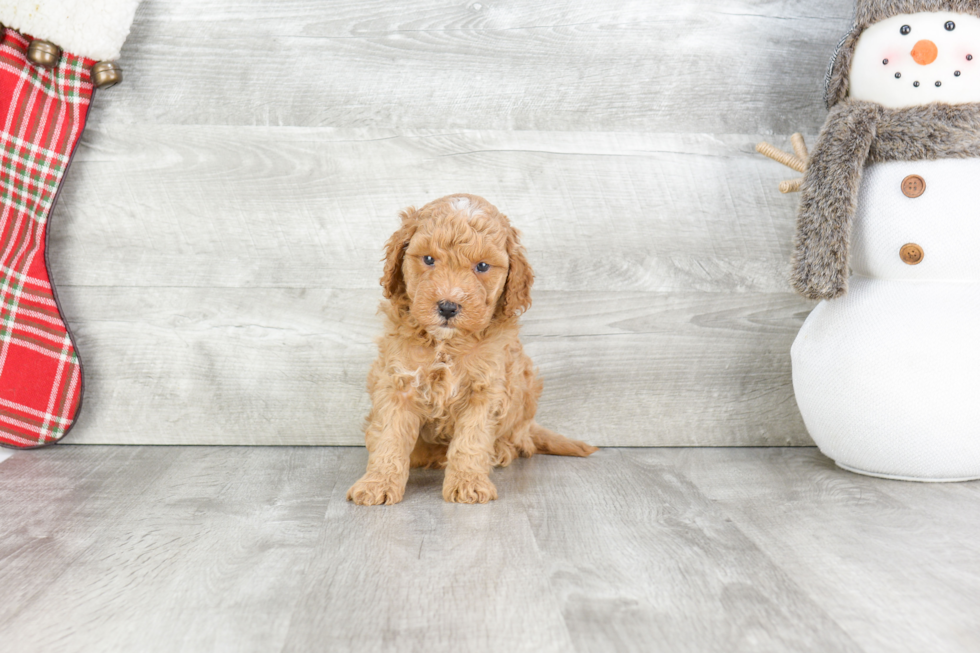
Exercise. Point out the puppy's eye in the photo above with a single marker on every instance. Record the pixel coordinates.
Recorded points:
(428, 260)
(482, 267)
(905, 29)
(950, 26)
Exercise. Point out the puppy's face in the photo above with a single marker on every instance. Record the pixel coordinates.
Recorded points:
(458, 264)
(455, 269)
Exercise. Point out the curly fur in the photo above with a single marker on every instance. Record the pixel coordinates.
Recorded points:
(856, 134)
(457, 393)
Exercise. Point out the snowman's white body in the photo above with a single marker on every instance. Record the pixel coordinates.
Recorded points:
(888, 377)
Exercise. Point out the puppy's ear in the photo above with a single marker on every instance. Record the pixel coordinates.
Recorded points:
(392, 281)
(516, 297)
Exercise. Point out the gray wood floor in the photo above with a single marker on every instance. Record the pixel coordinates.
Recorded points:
(255, 549)
(218, 237)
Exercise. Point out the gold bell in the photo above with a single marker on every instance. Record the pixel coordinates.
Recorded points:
(106, 74)
(44, 53)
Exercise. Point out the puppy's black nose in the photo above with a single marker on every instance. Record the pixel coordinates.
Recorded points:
(448, 309)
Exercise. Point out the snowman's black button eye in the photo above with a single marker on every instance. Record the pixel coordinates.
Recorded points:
(898, 75)
(885, 62)
(957, 73)
(915, 84)
(482, 267)
(938, 84)
(969, 57)
(950, 26)
(906, 29)
(428, 260)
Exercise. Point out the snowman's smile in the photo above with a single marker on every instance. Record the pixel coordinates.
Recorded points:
(924, 56)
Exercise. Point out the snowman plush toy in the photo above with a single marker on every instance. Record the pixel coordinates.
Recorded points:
(887, 368)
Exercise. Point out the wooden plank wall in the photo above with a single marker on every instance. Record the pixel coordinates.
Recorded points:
(217, 242)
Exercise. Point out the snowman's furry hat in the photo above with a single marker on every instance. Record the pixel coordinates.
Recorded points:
(869, 12)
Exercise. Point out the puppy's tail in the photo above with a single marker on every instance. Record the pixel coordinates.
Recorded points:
(549, 442)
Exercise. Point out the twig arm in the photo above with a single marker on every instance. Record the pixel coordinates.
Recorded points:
(792, 186)
(776, 154)
(799, 146)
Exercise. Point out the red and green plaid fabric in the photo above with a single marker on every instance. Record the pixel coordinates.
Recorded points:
(42, 114)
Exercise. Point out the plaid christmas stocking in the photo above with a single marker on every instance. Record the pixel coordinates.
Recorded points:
(44, 99)
(42, 114)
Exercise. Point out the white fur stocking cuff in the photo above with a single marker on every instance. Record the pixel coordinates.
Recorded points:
(88, 28)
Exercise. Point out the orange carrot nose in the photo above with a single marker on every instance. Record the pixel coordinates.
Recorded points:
(925, 52)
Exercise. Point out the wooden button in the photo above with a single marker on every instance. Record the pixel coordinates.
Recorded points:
(913, 186)
(106, 74)
(912, 254)
(44, 53)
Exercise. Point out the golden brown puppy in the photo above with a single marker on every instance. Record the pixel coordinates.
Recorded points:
(452, 386)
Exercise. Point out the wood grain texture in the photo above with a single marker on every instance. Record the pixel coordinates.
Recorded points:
(215, 541)
(216, 244)
(311, 208)
(713, 66)
(46, 516)
(906, 552)
(255, 549)
(221, 311)
(663, 565)
(451, 577)
(287, 366)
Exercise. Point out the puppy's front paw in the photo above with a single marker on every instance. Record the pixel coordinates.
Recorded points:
(375, 489)
(468, 488)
